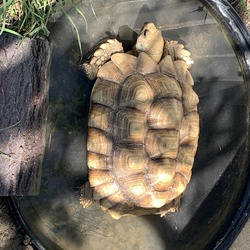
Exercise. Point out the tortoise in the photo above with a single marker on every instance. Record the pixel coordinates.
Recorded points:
(143, 126)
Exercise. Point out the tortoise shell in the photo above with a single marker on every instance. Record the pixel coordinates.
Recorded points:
(143, 125)
(142, 134)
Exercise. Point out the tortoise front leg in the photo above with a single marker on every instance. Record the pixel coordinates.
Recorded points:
(101, 55)
(177, 52)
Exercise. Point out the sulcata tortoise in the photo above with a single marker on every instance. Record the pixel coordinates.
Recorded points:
(143, 126)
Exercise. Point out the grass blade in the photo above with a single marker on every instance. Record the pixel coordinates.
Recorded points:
(4, 17)
(80, 12)
(73, 24)
(92, 9)
(12, 32)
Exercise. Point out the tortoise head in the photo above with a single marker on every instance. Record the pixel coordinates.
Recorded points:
(150, 41)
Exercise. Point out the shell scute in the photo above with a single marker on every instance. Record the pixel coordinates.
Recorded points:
(98, 161)
(135, 186)
(167, 67)
(190, 99)
(104, 190)
(146, 64)
(112, 200)
(165, 114)
(129, 160)
(185, 161)
(136, 93)
(162, 143)
(98, 177)
(161, 173)
(101, 117)
(99, 142)
(164, 86)
(189, 131)
(105, 93)
(125, 62)
(129, 126)
(111, 72)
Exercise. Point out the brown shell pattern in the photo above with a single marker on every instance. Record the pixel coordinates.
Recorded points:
(143, 133)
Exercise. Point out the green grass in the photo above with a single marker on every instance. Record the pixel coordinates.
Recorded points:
(29, 18)
(238, 4)
(26, 17)
(243, 9)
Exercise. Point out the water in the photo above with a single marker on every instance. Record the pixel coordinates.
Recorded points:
(56, 217)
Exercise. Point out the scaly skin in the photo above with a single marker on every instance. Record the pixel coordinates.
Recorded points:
(149, 40)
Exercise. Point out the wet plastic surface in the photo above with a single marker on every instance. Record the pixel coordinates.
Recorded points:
(220, 173)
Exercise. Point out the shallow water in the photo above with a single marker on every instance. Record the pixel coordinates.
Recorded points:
(56, 217)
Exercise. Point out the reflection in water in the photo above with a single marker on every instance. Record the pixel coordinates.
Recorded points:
(56, 217)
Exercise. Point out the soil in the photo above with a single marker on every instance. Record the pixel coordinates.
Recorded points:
(244, 12)
(12, 235)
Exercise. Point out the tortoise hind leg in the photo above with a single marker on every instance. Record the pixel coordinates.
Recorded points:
(170, 207)
(120, 210)
(177, 52)
(100, 56)
(86, 195)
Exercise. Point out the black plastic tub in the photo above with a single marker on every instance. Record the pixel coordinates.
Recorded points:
(215, 205)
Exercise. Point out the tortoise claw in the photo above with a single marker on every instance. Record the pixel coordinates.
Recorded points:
(86, 195)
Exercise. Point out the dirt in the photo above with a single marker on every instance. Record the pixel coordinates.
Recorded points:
(12, 235)
(247, 19)
(244, 12)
